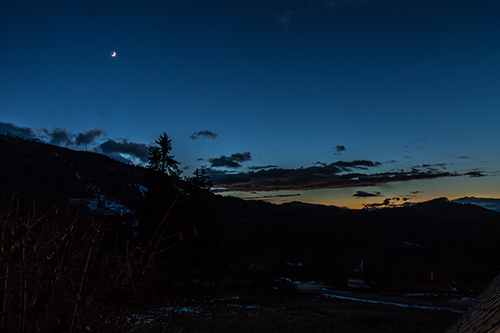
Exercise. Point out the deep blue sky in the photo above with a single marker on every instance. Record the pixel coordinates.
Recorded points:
(347, 102)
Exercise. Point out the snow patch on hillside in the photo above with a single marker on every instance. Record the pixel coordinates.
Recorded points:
(102, 205)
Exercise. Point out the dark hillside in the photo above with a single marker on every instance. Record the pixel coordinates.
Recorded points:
(455, 242)
(39, 171)
(129, 201)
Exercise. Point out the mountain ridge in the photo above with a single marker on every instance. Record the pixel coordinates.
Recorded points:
(486, 203)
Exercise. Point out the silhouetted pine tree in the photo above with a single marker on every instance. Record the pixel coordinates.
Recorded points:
(160, 158)
(200, 179)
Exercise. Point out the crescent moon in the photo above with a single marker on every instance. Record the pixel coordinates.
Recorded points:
(113, 54)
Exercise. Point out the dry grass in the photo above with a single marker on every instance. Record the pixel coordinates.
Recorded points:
(57, 275)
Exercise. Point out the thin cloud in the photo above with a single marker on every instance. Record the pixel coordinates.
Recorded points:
(203, 134)
(345, 166)
(475, 174)
(275, 196)
(233, 161)
(13, 129)
(121, 148)
(385, 204)
(363, 194)
(339, 149)
(400, 201)
(357, 164)
(429, 167)
(263, 167)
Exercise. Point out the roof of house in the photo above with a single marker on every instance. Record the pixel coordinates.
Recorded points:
(483, 316)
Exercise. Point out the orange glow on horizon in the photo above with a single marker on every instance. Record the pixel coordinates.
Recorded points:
(397, 193)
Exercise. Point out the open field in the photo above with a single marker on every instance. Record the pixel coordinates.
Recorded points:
(254, 310)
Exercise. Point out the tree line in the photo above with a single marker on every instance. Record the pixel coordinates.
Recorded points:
(162, 161)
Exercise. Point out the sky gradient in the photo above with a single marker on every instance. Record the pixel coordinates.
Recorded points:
(355, 103)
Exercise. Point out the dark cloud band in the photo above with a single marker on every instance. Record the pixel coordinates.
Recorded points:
(13, 129)
(334, 175)
(263, 167)
(56, 136)
(363, 194)
(122, 150)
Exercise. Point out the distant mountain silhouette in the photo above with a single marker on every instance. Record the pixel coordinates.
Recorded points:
(438, 238)
(488, 203)
(301, 204)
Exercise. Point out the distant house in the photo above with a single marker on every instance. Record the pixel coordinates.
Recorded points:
(360, 268)
(360, 277)
(357, 283)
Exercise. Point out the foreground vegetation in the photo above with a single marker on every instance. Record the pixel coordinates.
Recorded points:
(59, 275)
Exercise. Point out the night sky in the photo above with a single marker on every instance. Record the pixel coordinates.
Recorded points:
(355, 103)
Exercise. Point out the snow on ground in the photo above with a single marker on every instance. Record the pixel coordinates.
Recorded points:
(143, 189)
(102, 205)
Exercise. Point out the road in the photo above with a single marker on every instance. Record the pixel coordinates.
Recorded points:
(318, 288)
